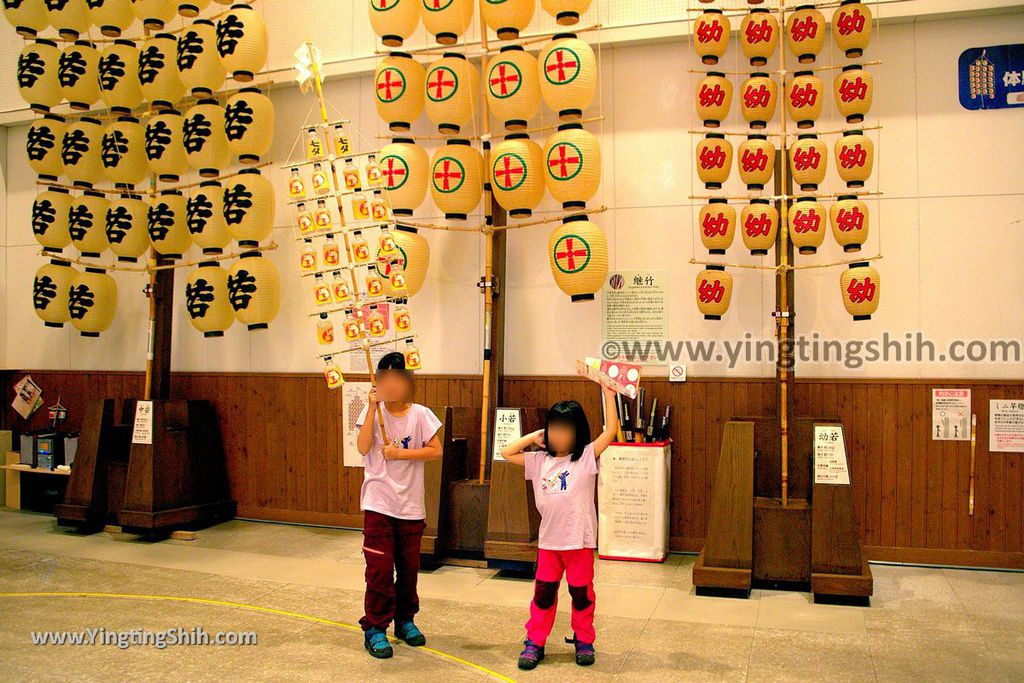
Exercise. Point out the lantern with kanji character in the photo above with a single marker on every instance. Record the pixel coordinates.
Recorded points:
(112, 16)
(50, 215)
(42, 144)
(204, 137)
(717, 222)
(167, 224)
(127, 227)
(159, 77)
(759, 224)
(92, 301)
(578, 256)
(714, 160)
(204, 213)
(28, 17)
(124, 151)
(165, 145)
(755, 161)
(807, 220)
(242, 42)
(87, 223)
(191, 8)
(711, 35)
(78, 73)
(69, 17)
(517, 174)
(805, 97)
(714, 292)
(568, 76)
(50, 292)
(849, 217)
(507, 17)
(254, 290)
(565, 12)
(207, 299)
(860, 287)
(154, 13)
(758, 97)
(398, 88)
(759, 36)
(451, 87)
(119, 76)
(714, 96)
(394, 20)
(81, 151)
(572, 165)
(808, 161)
(446, 20)
(38, 82)
(199, 65)
(851, 27)
(404, 166)
(855, 156)
(249, 207)
(456, 179)
(853, 89)
(411, 258)
(805, 33)
(249, 124)
(513, 87)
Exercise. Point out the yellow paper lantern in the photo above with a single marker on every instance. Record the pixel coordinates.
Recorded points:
(124, 151)
(154, 13)
(755, 161)
(717, 225)
(127, 227)
(38, 83)
(507, 18)
(199, 65)
(714, 292)
(714, 97)
(404, 166)
(399, 90)
(759, 225)
(69, 17)
(807, 220)
(119, 76)
(249, 207)
(50, 292)
(517, 174)
(205, 217)
(42, 144)
(861, 288)
(159, 77)
(446, 20)
(249, 124)
(578, 256)
(206, 142)
(165, 146)
(805, 33)
(759, 36)
(849, 218)
(565, 12)
(759, 95)
(242, 42)
(112, 16)
(28, 17)
(78, 72)
(92, 301)
(572, 164)
(254, 290)
(167, 224)
(711, 35)
(411, 258)
(853, 89)
(207, 299)
(714, 160)
(568, 76)
(50, 215)
(87, 223)
(805, 97)
(394, 20)
(81, 151)
(851, 27)
(808, 161)
(456, 179)
(513, 87)
(855, 157)
(451, 88)
(192, 8)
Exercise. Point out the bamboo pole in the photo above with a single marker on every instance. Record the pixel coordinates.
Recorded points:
(487, 288)
(974, 443)
(782, 279)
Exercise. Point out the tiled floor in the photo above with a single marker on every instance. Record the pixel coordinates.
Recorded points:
(923, 624)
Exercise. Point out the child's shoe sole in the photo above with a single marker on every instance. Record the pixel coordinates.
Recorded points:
(379, 654)
(415, 641)
(584, 660)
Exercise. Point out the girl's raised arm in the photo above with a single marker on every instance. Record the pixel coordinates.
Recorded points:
(514, 451)
(611, 422)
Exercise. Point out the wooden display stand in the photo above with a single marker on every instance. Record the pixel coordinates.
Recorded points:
(438, 476)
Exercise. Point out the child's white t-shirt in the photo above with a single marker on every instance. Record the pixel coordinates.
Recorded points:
(563, 491)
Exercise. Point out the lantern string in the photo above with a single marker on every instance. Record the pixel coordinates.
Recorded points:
(93, 263)
(136, 39)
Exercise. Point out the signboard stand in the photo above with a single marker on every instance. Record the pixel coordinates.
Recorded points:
(632, 494)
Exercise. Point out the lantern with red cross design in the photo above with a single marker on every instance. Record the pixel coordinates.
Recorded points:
(860, 287)
(808, 160)
(714, 160)
(805, 33)
(446, 20)
(714, 96)
(851, 27)
(578, 256)
(507, 17)
(759, 224)
(404, 167)
(849, 218)
(711, 35)
(855, 157)
(398, 90)
(572, 165)
(411, 257)
(452, 84)
(807, 221)
(456, 179)
(717, 222)
(568, 76)
(755, 161)
(853, 89)
(759, 36)
(714, 292)
(513, 88)
(517, 174)
(565, 12)
(805, 96)
(758, 97)
(394, 20)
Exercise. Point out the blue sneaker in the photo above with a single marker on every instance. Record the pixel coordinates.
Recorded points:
(584, 651)
(375, 640)
(531, 655)
(408, 632)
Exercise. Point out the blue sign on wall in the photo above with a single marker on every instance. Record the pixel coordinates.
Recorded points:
(992, 77)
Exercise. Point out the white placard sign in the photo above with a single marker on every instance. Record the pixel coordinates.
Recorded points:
(632, 492)
(951, 414)
(142, 430)
(830, 455)
(353, 400)
(1005, 426)
(508, 427)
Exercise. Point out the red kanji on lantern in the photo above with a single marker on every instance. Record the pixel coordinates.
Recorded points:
(711, 96)
(759, 32)
(804, 29)
(754, 160)
(853, 157)
(806, 158)
(851, 90)
(710, 292)
(860, 291)
(848, 220)
(712, 157)
(754, 97)
(710, 32)
(715, 225)
(803, 96)
(806, 221)
(757, 225)
(850, 22)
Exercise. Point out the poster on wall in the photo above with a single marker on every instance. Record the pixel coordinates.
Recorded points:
(632, 493)
(951, 414)
(508, 426)
(353, 400)
(1005, 426)
(635, 311)
(992, 77)
(830, 455)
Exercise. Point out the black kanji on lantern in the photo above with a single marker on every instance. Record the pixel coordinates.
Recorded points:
(190, 46)
(199, 212)
(197, 129)
(160, 218)
(73, 146)
(43, 215)
(70, 68)
(151, 60)
(30, 67)
(112, 70)
(241, 287)
(119, 222)
(56, 5)
(80, 300)
(237, 119)
(94, 4)
(229, 30)
(12, 4)
(80, 219)
(237, 201)
(44, 290)
(114, 146)
(158, 136)
(198, 297)
(39, 142)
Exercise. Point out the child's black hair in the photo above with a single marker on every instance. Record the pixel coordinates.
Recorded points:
(570, 413)
(392, 361)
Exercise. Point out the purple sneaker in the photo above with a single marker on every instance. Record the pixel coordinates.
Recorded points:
(531, 655)
(584, 651)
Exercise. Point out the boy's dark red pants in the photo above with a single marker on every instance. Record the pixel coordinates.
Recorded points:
(391, 547)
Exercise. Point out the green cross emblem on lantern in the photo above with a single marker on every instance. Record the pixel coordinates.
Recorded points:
(571, 254)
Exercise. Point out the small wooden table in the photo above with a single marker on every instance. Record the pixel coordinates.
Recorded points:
(14, 471)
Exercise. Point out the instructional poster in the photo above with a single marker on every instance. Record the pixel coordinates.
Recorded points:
(951, 414)
(1005, 426)
(830, 455)
(507, 428)
(632, 492)
(142, 430)
(353, 400)
(635, 306)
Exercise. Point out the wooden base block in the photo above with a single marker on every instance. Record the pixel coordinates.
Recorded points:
(826, 586)
(511, 551)
(711, 580)
(468, 514)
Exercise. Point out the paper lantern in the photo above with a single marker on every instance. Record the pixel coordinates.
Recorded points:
(755, 161)
(119, 76)
(411, 258)
(568, 76)
(38, 83)
(807, 220)
(159, 77)
(517, 174)
(851, 27)
(127, 227)
(112, 16)
(200, 67)
(853, 89)
(805, 97)
(154, 13)
(849, 218)
(78, 72)
(167, 224)
(28, 17)
(759, 95)
(192, 8)
(714, 96)
(87, 223)
(394, 20)
(759, 36)
(50, 291)
(50, 215)
(711, 35)
(578, 256)
(42, 144)
(805, 33)
(513, 87)
(565, 12)
(572, 164)
(165, 146)
(69, 17)
(714, 292)
(249, 207)
(456, 179)
(242, 42)
(717, 225)
(446, 20)
(404, 166)
(124, 151)
(861, 287)
(81, 151)
(451, 87)
(92, 301)
(855, 157)
(507, 18)
(254, 290)
(206, 142)
(249, 124)
(398, 88)
(808, 161)
(714, 160)
(759, 225)
(207, 299)
(204, 214)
